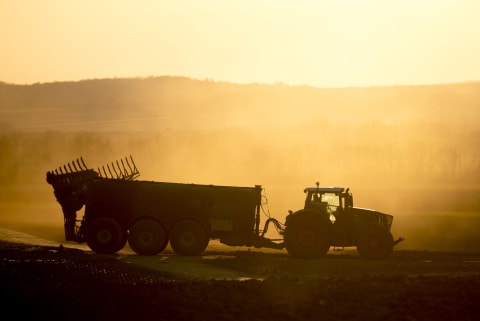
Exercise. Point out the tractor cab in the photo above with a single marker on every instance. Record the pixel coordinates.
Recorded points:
(333, 201)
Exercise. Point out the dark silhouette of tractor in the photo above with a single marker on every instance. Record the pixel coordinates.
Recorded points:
(148, 215)
(329, 219)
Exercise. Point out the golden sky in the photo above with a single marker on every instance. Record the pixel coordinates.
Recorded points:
(331, 43)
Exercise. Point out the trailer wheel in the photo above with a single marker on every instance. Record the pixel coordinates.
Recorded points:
(307, 238)
(188, 237)
(147, 237)
(105, 236)
(374, 242)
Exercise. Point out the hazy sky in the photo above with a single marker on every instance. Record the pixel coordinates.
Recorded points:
(319, 43)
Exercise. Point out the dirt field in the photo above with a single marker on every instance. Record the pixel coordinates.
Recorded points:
(54, 283)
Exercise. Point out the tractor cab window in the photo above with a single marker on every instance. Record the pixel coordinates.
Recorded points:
(326, 202)
(328, 199)
(332, 199)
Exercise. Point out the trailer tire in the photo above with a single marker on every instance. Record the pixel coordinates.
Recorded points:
(374, 242)
(105, 236)
(188, 237)
(307, 237)
(147, 237)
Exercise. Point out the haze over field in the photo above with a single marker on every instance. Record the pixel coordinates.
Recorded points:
(407, 150)
(379, 96)
(319, 43)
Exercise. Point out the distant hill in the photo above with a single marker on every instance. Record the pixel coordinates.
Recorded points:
(158, 103)
(402, 149)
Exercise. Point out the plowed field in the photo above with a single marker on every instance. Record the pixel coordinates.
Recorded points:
(56, 283)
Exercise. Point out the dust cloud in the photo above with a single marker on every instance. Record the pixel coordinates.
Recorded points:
(408, 151)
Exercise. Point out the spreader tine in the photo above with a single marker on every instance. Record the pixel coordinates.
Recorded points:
(105, 172)
(119, 175)
(79, 164)
(108, 167)
(135, 171)
(120, 172)
(133, 163)
(128, 164)
(114, 170)
(84, 166)
(123, 166)
(75, 167)
(127, 173)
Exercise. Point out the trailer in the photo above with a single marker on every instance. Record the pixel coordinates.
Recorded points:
(150, 215)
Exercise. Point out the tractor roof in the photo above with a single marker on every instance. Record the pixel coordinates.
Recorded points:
(323, 189)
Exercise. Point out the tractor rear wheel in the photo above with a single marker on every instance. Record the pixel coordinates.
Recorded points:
(105, 236)
(188, 237)
(306, 237)
(147, 237)
(374, 242)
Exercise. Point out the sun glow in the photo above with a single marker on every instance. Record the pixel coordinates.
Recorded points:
(328, 43)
